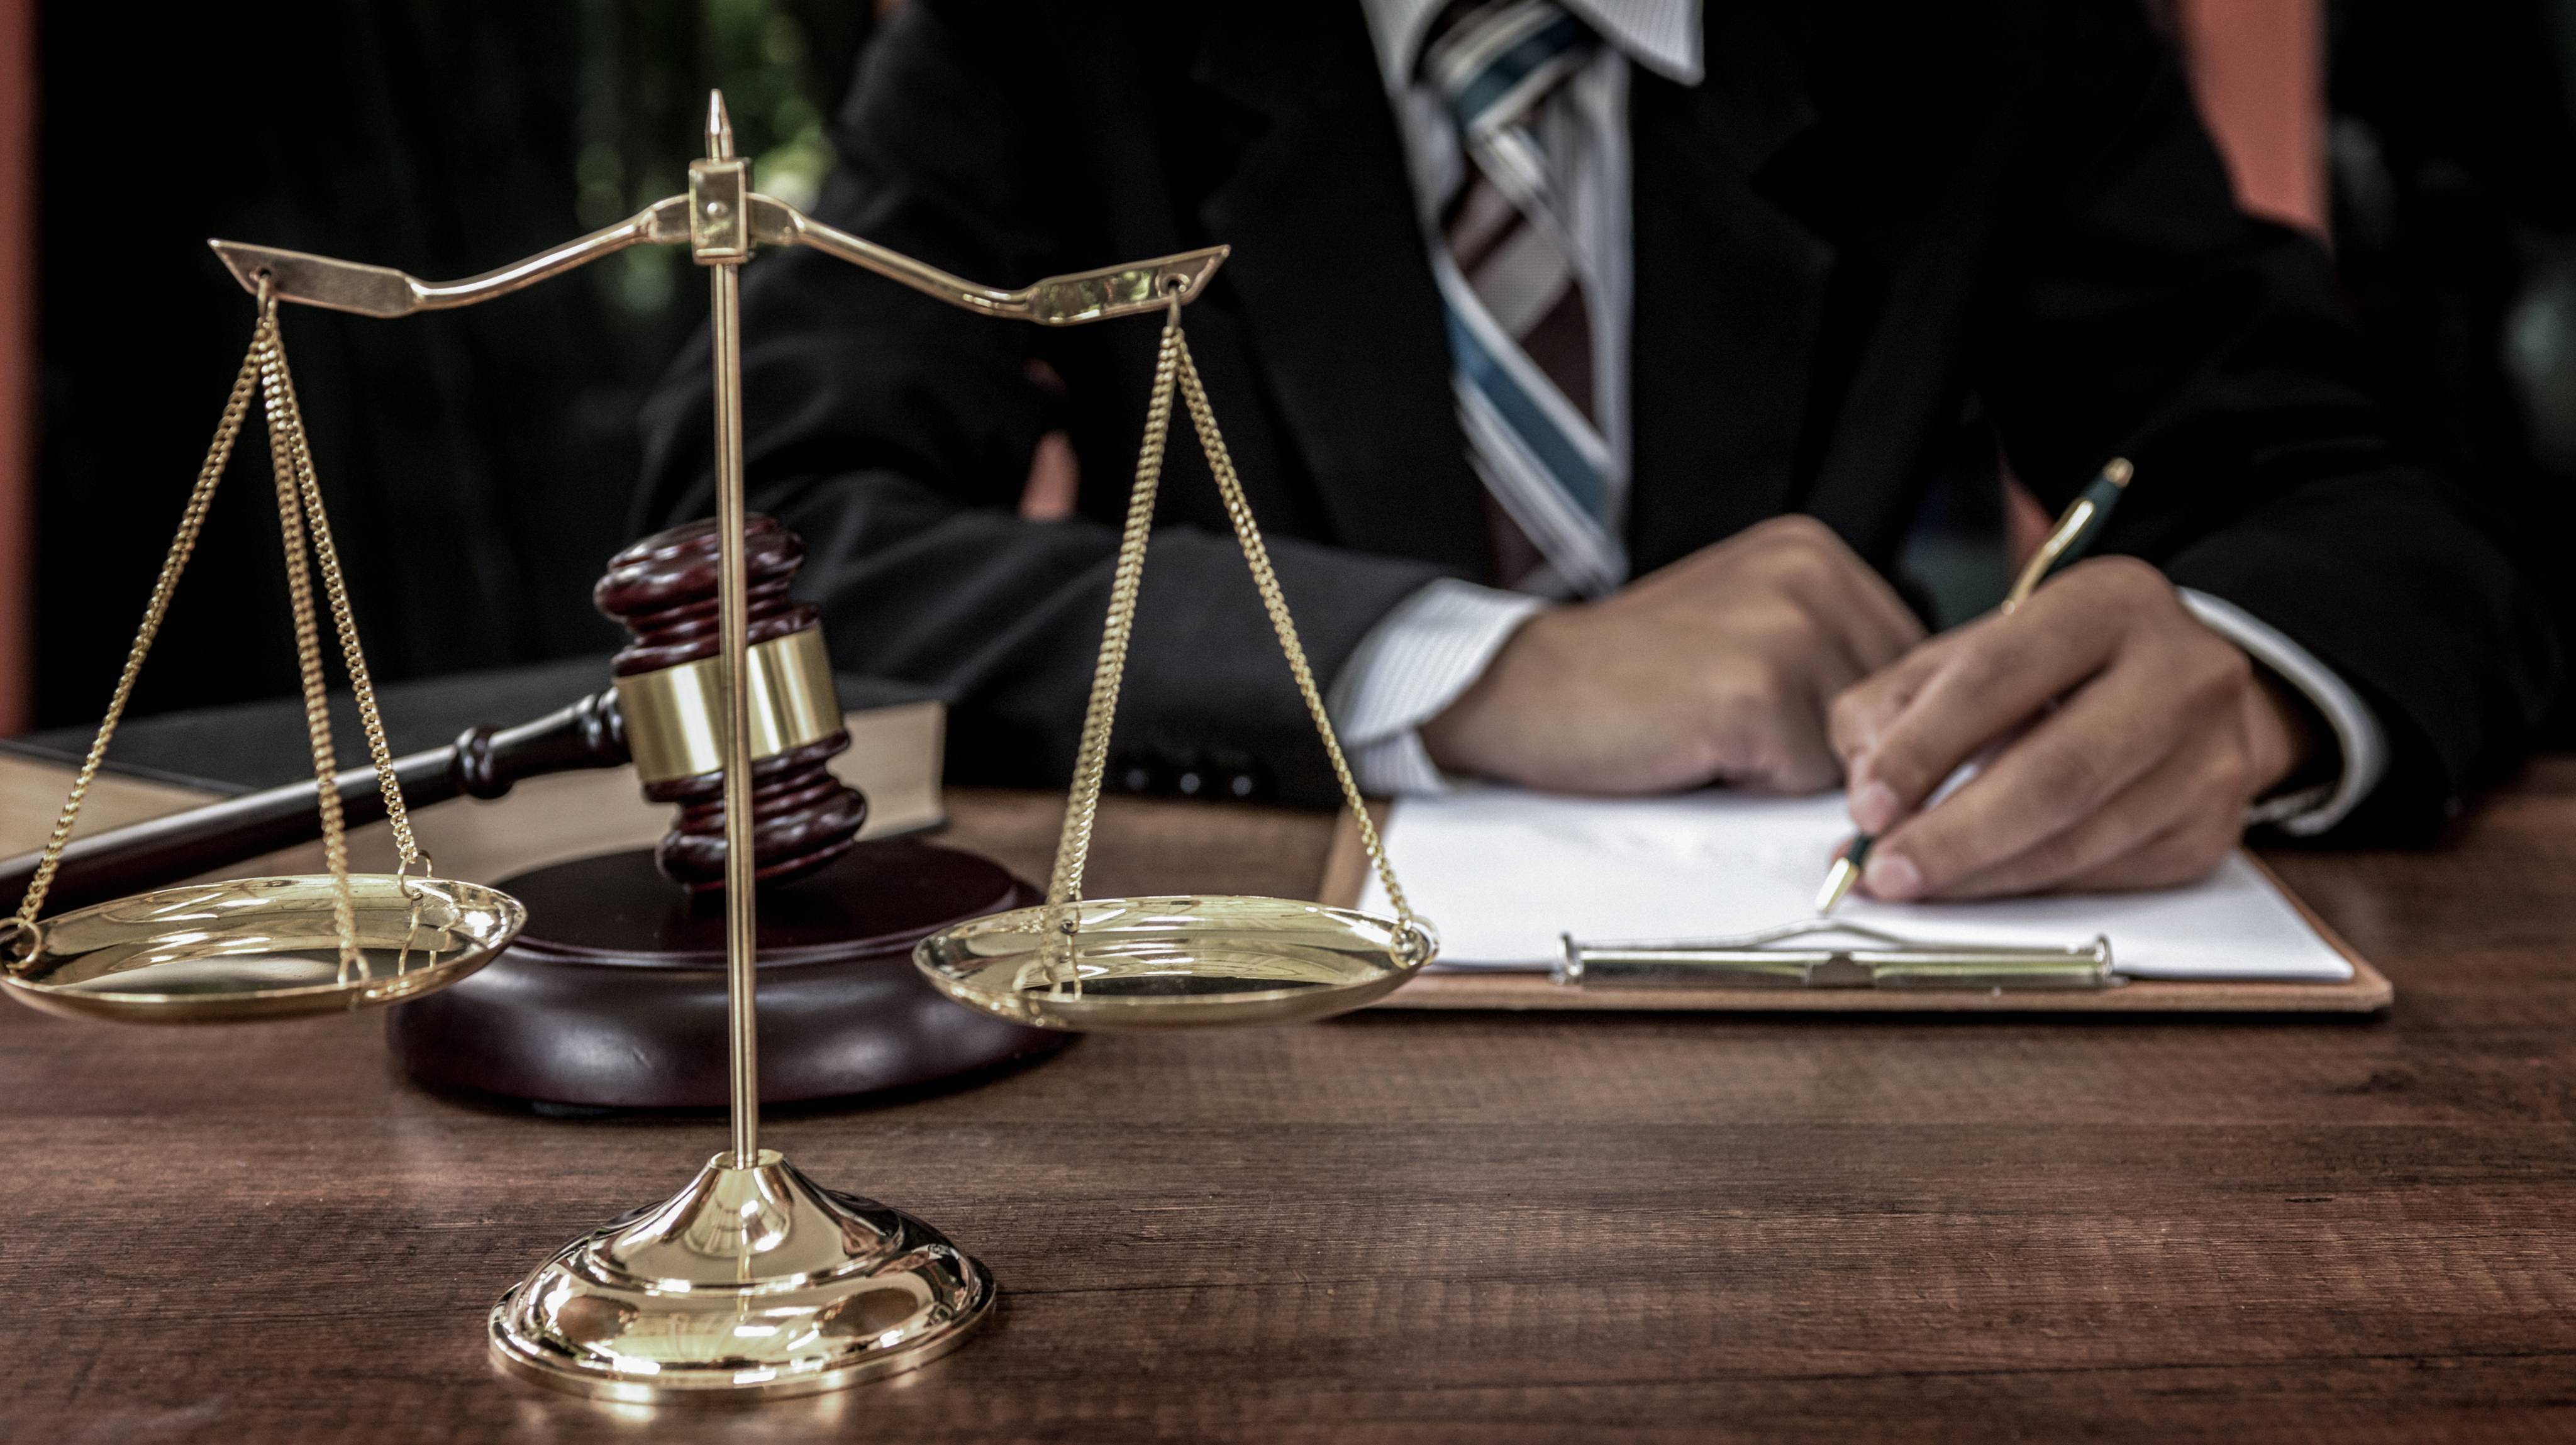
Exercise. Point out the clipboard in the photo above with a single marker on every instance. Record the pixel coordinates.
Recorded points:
(2367, 991)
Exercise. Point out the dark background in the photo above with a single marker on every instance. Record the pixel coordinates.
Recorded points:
(479, 463)
(2453, 165)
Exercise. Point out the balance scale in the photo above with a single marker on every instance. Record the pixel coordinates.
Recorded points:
(753, 1281)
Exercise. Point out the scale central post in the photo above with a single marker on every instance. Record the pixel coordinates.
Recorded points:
(753, 1280)
(720, 240)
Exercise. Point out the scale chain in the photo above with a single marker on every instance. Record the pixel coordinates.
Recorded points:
(1091, 759)
(183, 544)
(264, 371)
(1174, 368)
(1256, 555)
(308, 647)
(361, 684)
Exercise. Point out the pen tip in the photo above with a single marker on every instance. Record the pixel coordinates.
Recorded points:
(1838, 885)
(2117, 471)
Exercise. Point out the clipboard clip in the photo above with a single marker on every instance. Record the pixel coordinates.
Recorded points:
(1826, 953)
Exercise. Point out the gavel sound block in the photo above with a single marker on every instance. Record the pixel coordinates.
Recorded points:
(614, 995)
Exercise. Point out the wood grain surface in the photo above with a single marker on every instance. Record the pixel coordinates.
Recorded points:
(1438, 1227)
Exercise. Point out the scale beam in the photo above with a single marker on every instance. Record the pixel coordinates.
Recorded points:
(1068, 300)
(338, 285)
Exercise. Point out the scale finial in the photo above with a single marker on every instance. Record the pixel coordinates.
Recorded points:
(719, 128)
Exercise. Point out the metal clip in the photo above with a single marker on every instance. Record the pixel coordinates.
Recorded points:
(1864, 958)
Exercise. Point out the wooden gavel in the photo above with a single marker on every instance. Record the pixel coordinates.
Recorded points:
(661, 715)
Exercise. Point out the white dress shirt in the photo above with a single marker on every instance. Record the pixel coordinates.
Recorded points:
(1431, 646)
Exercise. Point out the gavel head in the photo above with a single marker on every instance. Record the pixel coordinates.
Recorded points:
(671, 692)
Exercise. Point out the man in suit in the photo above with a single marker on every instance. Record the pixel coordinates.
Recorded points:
(1586, 363)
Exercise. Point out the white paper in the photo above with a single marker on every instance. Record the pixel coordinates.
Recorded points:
(1501, 873)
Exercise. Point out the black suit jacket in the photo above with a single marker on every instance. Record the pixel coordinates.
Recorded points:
(1867, 223)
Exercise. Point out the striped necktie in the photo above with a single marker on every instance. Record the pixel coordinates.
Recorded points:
(1520, 336)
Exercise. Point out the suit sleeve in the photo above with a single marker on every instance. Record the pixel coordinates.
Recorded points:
(2136, 312)
(895, 432)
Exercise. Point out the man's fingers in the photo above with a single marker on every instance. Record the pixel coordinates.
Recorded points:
(1791, 760)
(1859, 604)
(2064, 768)
(1996, 678)
(1876, 622)
(1769, 722)
(2004, 670)
(2118, 727)
(2142, 820)
(1861, 712)
(2158, 700)
(1818, 570)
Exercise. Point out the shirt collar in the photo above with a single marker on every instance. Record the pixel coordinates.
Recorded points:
(1661, 35)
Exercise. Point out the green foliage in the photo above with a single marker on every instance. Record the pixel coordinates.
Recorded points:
(782, 65)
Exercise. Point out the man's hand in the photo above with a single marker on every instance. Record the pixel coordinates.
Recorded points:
(2138, 776)
(1719, 667)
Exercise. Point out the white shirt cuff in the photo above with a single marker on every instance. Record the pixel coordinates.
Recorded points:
(1428, 649)
(2364, 742)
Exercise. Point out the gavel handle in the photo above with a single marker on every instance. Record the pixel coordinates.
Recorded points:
(483, 763)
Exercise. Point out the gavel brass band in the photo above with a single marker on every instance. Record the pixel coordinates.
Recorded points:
(675, 717)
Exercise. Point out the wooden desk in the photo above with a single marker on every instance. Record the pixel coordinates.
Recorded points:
(1429, 1227)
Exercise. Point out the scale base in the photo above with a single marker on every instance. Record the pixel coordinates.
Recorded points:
(752, 1283)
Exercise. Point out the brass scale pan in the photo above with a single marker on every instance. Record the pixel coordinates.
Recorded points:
(254, 948)
(262, 948)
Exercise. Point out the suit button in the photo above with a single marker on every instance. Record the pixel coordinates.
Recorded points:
(1135, 771)
(1236, 775)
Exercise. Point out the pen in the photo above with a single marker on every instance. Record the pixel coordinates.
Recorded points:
(2075, 530)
